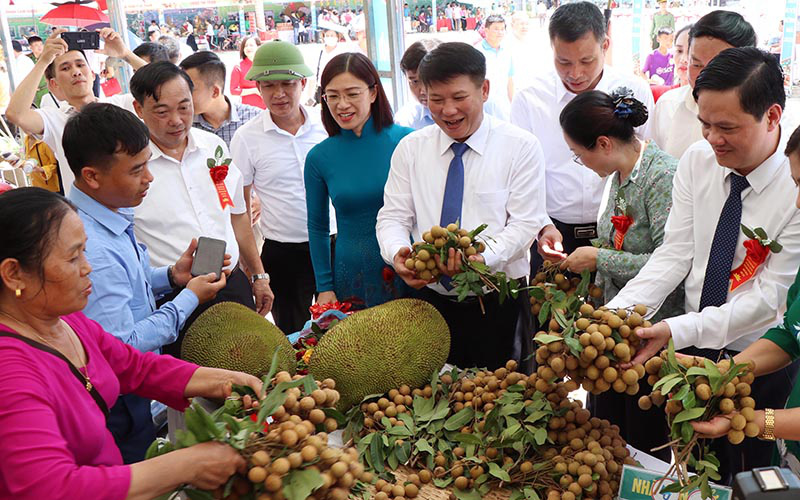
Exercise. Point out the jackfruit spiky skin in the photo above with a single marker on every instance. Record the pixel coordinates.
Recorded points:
(381, 348)
(231, 336)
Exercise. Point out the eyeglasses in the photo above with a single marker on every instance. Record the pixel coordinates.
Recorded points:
(577, 159)
(349, 97)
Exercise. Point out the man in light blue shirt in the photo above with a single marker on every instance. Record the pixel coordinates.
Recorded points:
(415, 113)
(499, 68)
(108, 149)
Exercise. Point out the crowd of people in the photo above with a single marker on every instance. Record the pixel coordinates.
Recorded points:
(580, 167)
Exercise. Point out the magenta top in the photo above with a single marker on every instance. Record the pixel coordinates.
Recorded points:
(53, 436)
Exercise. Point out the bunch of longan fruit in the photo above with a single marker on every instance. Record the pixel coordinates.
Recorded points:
(551, 279)
(606, 339)
(310, 407)
(400, 490)
(280, 452)
(731, 399)
(395, 402)
(438, 241)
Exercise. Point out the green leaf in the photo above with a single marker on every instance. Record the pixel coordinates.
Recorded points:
(775, 247)
(561, 320)
(198, 494)
(467, 494)
(537, 293)
(667, 378)
(544, 313)
(403, 452)
(684, 390)
(546, 338)
(423, 446)
(391, 460)
(760, 233)
(185, 438)
(443, 482)
(300, 483)
(671, 488)
(714, 375)
(277, 397)
(158, 447)
(690, 414)
(697, 371)
(218, 152)
(196, 424)
(540, 436)
(399, 431)
(671, 359)
(574, 345)
(376, 454)
(499, 473)
(583, 286)
(530, 494)
(210, 163)
(687, 431)
(747, 232)
(690, 401)
(459, 420)
(467, 439)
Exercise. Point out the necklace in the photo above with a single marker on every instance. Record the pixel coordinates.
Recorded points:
(86, 379)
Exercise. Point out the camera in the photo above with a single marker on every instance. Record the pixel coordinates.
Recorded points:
(81, 40)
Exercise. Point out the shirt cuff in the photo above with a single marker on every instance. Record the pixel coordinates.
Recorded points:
(603, 260)
(160, 280)
(784, 340)
(186, 302)
(393, 249)
(683, 329)
(491, 259)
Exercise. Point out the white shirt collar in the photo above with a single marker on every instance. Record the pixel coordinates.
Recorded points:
(269, 124)
(191, 146)
(476, 142)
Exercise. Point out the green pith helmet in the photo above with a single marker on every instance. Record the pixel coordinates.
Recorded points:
(278, 60)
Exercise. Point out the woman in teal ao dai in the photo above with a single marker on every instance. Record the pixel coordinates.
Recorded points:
(349, 170)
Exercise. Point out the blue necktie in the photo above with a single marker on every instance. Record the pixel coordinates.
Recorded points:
(129, 232)
(723, 247)
(453, 194)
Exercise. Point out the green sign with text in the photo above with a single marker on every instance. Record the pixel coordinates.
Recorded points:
(638, 484)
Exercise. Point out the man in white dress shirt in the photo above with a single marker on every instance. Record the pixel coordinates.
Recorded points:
(476, 169)
(69, 74)
(271, 150)
(183, 201)
(579, 40)
(415, 113)
(675, 124)
(738, 176)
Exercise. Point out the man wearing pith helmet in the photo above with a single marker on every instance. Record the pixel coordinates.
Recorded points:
(271, 150)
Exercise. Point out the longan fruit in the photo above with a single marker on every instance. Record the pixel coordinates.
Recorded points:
(398, 490)
(703, 392)
(743, 389)
(735, 437)
(747, 402)
(316, 416)
(339, 469)
(726, 405)
(461, 483)
(645, 403)
(273, 483)
(280, 466)
(610, 374)
(257, 474)
(289, 437)
(425, 476)
(751, 430)
(381, 496)
(585, 480)
(260, 458)
(630, 376)
(308, 453)
(619, 386)
(412, 490)
(748, 413)
(738, 422)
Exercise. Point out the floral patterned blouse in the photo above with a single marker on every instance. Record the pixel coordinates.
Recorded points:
(646, 197)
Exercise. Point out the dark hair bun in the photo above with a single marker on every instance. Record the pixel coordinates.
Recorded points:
(628, 108)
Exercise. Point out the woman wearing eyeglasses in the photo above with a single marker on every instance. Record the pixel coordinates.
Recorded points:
(599, 129)
(350, 169)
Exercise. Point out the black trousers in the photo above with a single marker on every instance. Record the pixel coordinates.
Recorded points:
(237, 290)
(292, 281)
(575, 235)
(131, 424)
(477, 339)
(769, 391)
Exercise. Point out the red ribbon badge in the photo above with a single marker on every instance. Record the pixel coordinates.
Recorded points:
(621, 223)
(318, 309)
(756, 255)
(218, 175)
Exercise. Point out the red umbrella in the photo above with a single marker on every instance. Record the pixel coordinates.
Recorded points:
(73, 14)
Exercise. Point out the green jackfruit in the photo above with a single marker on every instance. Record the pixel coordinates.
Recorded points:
(231, 336)
(381, 348)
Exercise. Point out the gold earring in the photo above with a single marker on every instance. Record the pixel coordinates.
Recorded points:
(18, 293)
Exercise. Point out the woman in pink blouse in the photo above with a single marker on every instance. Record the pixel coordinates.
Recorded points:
(60, 372)
(241, 86)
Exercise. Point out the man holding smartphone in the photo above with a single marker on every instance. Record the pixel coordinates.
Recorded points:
(108, 148)
(192, 194)
(68, 73)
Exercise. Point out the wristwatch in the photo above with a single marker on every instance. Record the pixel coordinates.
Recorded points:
(260, 276)
(769, 425)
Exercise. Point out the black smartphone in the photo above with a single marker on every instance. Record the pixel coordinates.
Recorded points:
(81, 40)
(209, 257)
